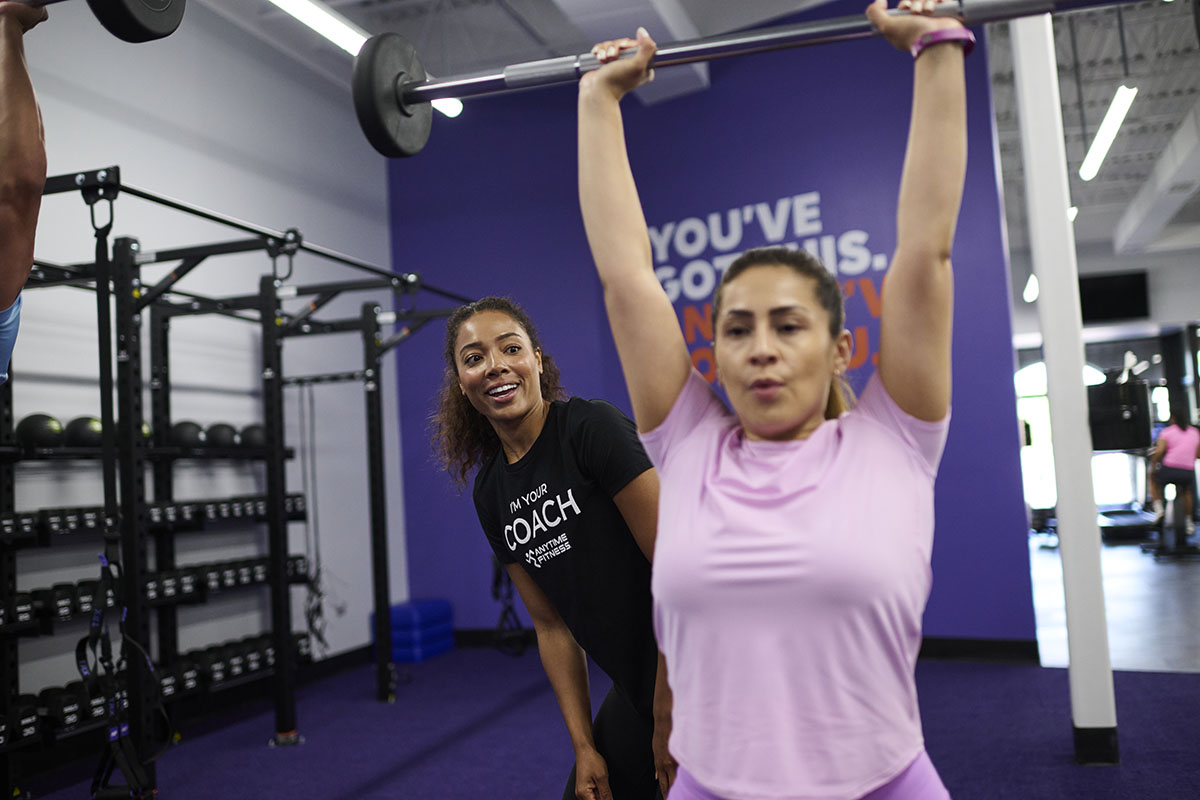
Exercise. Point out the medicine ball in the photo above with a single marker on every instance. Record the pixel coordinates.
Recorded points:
(254, 436)
(187, 434)
(39, 430)
(83, 432)
(222, 434)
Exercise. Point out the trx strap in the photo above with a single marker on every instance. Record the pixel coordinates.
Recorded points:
(94, 653)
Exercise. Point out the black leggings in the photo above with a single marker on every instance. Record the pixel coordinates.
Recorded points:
(623, 739)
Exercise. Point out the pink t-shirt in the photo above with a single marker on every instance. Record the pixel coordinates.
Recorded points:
(1181, 446)
(789, 583)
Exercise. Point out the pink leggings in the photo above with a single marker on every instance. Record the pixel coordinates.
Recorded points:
(918, 781)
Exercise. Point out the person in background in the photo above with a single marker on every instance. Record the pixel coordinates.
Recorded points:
(794, 534)
(22, 169)
(1174, 461)
(567, 499)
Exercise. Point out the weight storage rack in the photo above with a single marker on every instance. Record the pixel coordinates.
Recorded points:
(131, 526)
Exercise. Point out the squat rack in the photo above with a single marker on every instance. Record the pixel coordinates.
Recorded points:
(125, 455)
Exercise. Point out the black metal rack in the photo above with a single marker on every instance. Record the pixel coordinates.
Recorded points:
(130, 522)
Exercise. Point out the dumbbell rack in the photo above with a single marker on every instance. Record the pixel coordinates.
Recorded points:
(126, 456)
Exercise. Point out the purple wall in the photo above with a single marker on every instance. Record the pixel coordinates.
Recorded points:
(801, 147)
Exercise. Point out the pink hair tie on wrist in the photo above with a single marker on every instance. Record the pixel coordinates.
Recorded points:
(961, 35)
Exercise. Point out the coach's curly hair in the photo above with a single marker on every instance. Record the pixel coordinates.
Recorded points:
(463, 438)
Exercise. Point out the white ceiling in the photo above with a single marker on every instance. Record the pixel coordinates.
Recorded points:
(1144, 199)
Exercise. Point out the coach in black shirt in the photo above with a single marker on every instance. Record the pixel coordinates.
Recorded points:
(568, 500)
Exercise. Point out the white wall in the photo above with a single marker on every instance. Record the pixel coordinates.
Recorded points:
(1173, 284)
(212, 117)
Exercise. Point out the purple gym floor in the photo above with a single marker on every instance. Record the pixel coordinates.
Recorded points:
(477, 723)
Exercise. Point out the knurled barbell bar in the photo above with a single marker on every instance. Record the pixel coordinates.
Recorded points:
(392, 93)
(133, 20)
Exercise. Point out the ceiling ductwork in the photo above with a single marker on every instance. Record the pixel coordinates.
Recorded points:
(1153, 220)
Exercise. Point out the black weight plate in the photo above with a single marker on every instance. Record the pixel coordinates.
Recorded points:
(393, 129)
(139, 20)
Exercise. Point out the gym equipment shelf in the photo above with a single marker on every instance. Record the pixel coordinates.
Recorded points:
(169, 453)
(128, 524)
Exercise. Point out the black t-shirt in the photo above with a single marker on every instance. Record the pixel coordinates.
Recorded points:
(553, 513)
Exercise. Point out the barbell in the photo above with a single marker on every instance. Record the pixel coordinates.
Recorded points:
(392, 92)
(133, 20)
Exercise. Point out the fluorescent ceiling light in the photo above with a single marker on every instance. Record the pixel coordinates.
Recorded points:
(1072, 213)
(328, 23)
(1031, 289)
(1030, 381)
(1093, 376)
(346, 35)
(450, 106)
(1121, 102)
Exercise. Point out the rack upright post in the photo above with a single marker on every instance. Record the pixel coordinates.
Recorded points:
(277, 535)
(385, 670)
(131, 468)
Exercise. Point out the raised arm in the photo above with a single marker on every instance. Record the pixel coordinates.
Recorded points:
(653, 354)
(22, 152)
(915, 328)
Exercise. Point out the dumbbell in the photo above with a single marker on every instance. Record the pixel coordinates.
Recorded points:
(168, 683)
(211, 577)
(214, 664)
(235, 658)
(62, 708)
(91, 704)
(252, 648)
(266, 646)
(187, 674)
(297, 568)
(168, 584)
(189, 581)
(22, 608)
(23, 717)
(85, 595)
(57, 602)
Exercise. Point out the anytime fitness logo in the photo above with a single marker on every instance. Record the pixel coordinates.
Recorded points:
(542, 514)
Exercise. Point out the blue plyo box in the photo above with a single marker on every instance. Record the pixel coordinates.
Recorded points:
(408, 637)
(420, 629)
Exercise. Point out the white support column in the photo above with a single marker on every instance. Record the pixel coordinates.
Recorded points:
(1052, 246)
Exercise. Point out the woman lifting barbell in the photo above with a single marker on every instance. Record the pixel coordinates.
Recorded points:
(791, 651)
